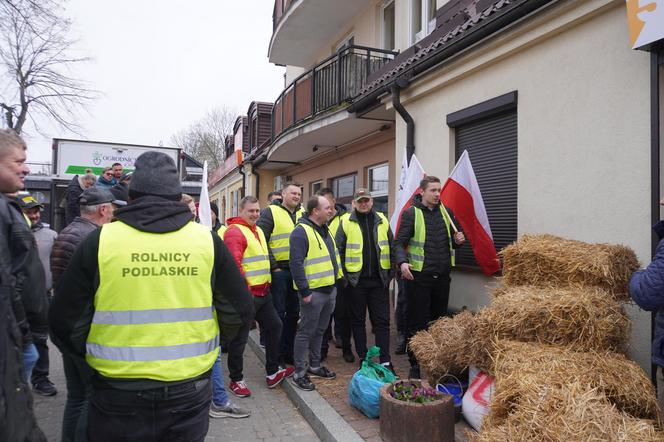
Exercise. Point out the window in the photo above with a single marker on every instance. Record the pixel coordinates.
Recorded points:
(349, 40)
(235, 197)
(387, 23)
(422, 19)
(488, 131)
(378, 179)
(315, 187)
(344, 188)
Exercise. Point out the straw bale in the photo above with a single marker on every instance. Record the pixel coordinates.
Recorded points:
(569, 412)
(522, 369)
(552, 261)
(583, 320)
(447, 346)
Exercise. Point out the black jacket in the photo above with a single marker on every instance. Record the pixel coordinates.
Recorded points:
(299, 247)
(436, 246)
(17, 420)
(266, 223)
(28, 270)
(65, 245)
(73, 304)
(370, 256)
(72, 208)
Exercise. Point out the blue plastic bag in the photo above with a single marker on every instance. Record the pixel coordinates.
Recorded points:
(364, 394)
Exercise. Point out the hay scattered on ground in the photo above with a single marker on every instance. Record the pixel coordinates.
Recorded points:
(523, 369)
(551, 261)
(583, 320)
(569, 412)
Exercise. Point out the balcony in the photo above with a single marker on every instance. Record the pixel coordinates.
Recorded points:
(302, 28)
(318, 98)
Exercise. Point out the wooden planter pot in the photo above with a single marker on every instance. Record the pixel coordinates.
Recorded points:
(407, 421)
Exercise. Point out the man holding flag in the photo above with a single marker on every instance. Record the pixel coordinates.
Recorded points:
(426, 239)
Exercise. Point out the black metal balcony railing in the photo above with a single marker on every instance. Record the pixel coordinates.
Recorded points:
(327, 85)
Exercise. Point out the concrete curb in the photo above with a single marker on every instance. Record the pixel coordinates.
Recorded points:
(328, 425)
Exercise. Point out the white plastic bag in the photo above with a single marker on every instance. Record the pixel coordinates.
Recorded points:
(475, 403)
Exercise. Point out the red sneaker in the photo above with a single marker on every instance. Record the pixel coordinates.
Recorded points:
(279, 376)
(275, 379)
(289, 371)
(239, 389)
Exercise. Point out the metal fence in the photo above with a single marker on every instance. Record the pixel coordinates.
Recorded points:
(331, 83)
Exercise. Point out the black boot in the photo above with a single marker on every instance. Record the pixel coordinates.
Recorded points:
(414, 372)
(401, 345)
(348, 356)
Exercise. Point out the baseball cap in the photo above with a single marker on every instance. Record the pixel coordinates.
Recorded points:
(95, 195)
(361, 193)
(120, 193)
(28, 202)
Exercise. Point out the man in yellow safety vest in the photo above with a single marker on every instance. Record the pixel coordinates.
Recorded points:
(424, 251)
(142, 301)
(277, 222)
(248, 246)
(341, 313)
(315, 265)
(365, 241)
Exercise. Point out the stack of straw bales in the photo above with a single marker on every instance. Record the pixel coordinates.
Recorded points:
(555, 338)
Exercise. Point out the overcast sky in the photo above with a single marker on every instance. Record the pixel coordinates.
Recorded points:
(160, 65)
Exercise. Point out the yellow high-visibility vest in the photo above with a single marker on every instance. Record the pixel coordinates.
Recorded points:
(283, 226)
(154, 317)
(221, 231)
(416, 243)
(334, 225)
(318, 266)
(355, 243)
(255, 261)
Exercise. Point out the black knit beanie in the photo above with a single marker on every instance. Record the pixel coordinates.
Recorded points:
(155, 174)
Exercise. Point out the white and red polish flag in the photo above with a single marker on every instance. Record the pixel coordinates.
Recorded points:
(461, 193)
(409, 186)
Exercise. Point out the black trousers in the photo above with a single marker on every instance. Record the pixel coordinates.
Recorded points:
(372, 295)
(400, 311)
(341, 323)
(425, 303)
(287, 303)
(177, 413)
(40, 371)
(269, 322)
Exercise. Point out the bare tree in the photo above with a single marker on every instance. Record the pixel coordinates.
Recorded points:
(204, 139)
(35, 66)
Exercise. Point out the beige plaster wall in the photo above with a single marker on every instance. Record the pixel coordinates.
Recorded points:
(355, 158)
(583, 132)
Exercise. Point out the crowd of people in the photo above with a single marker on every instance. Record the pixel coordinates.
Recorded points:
(141, 299)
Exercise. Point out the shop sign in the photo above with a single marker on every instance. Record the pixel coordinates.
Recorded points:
(645, 19)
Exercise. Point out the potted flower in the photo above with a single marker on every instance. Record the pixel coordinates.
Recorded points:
(412, 410)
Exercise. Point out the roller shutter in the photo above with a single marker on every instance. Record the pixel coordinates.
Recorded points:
(492, 146)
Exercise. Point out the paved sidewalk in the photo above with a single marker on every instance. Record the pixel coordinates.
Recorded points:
(273, 418)
(336, 391)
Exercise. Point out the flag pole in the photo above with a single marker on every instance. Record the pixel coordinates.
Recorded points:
(465, 152)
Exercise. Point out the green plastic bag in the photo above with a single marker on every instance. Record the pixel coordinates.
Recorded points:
(372, 370)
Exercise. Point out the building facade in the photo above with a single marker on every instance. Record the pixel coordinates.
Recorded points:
(559, 114)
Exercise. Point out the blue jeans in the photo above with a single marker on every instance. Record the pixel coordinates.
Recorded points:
(219, 396)
(75, 416)
(30, 357)
(287, 303)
